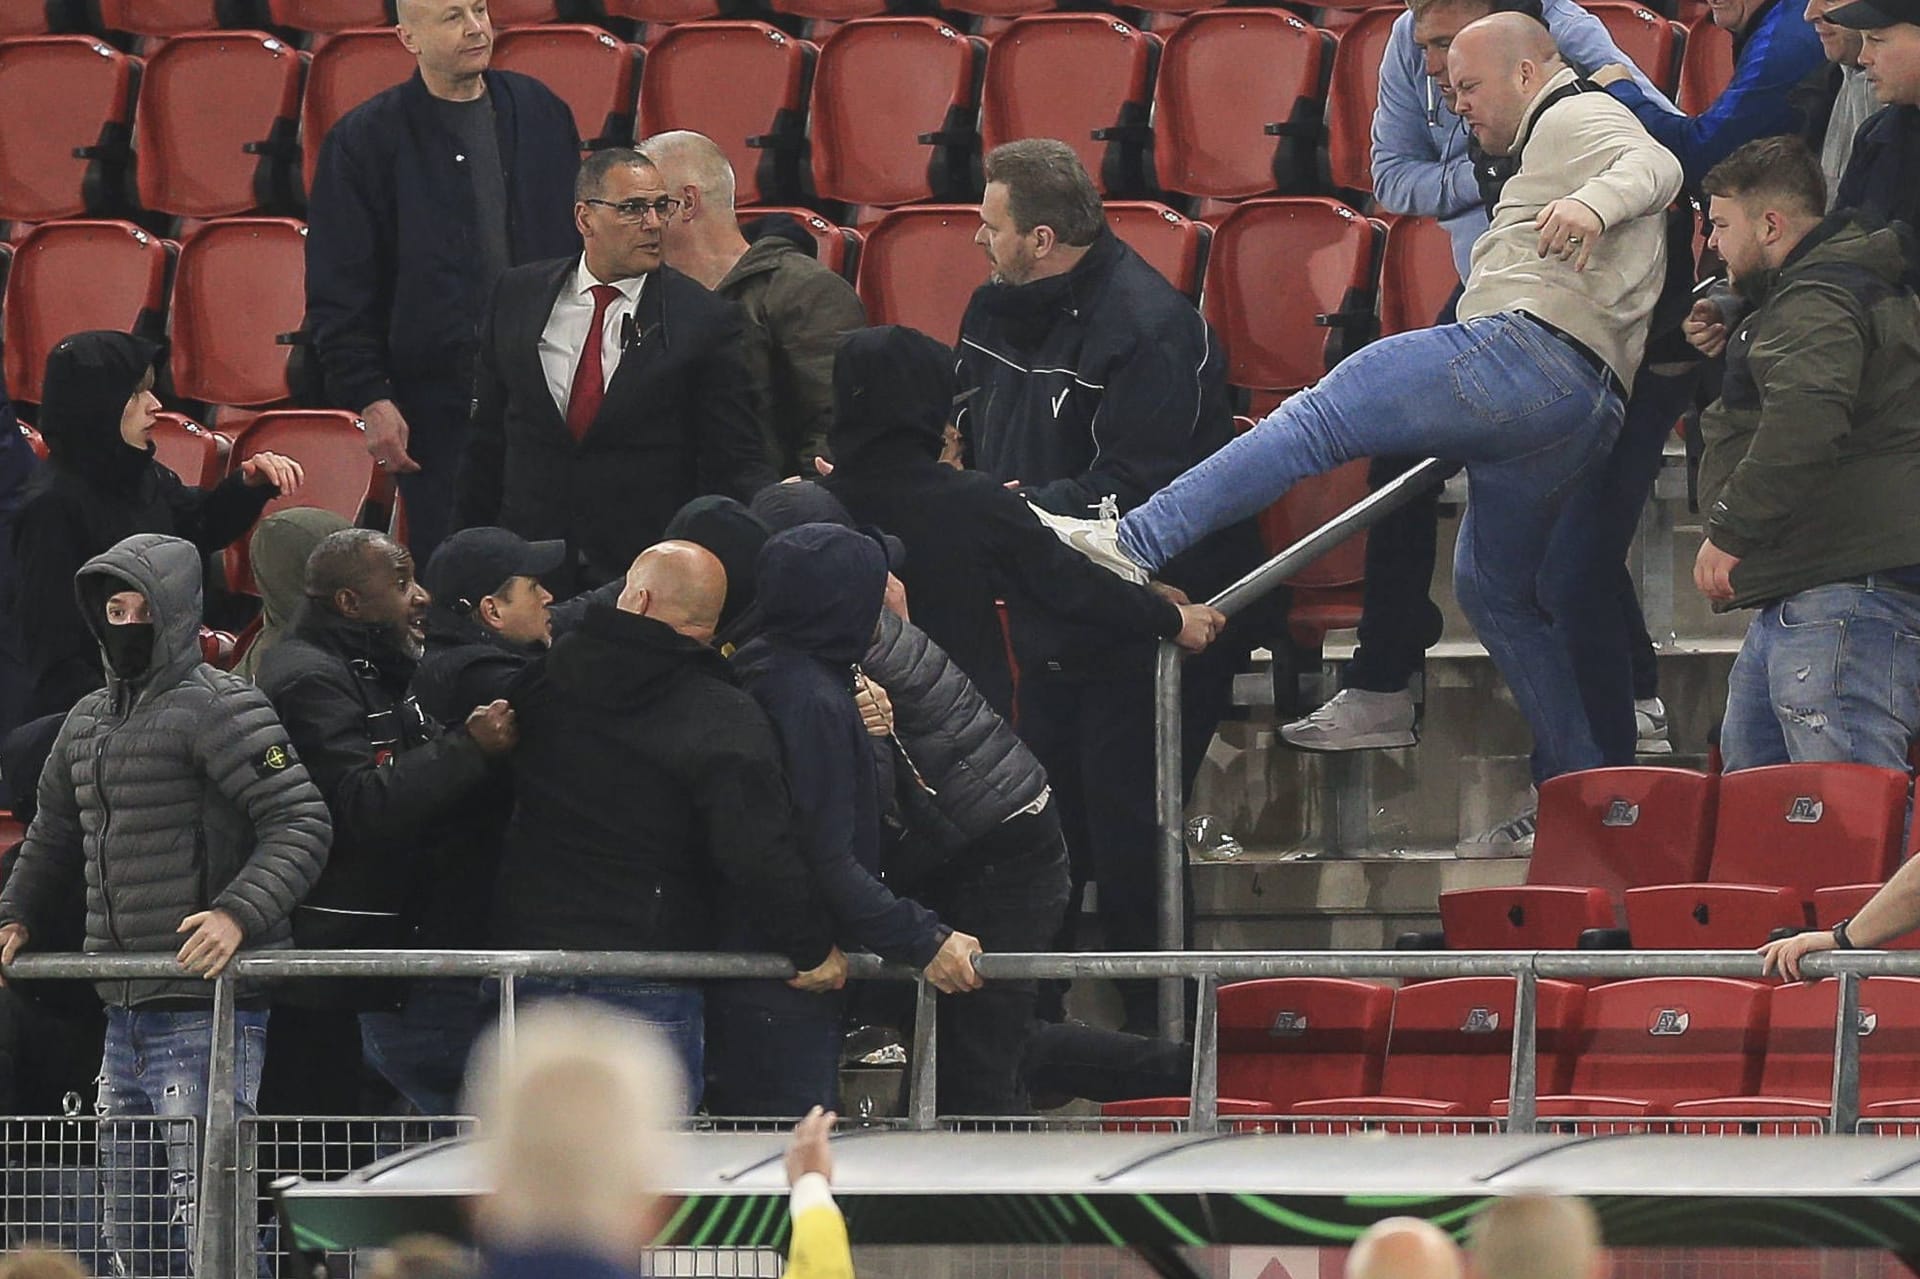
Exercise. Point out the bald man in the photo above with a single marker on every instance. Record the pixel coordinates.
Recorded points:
(1404, 1248)
(1537, 1237)
(651, 806)
(1528, 389)
(797, 309)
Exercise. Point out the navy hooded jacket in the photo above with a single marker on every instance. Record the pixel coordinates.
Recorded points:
(820, 591)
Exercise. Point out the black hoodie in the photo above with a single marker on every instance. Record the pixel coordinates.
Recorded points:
(97, 491)
(969, 541)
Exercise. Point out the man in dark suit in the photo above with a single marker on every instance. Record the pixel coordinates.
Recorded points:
(610, 389)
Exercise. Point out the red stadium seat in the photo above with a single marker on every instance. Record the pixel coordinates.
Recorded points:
(63, 94)
(70, 276)
(920, 268)
(350, 68)
(831, 10)
(328, 15)
(1237, 110)
(1157, 1114)
(1288, 1040)
(1620, 828)
(664, 11)
(1706, 66)
(1275, 338)
(743, 84)
(893, 112)
(593, 73)
(218, 124)
(1351, 97)
(1175, 245)
(1523, 917)
(1326, 593)
(24, 18)
(1710, 916)
(1809, 826)
(838, 248)
(1417, 275)
(158, 17)
(1452, 1046)
(1073, 76)
(1831, 905)
(241, 283)
(520, 13)
(328, 446)
(189, 450)
(1643, 36)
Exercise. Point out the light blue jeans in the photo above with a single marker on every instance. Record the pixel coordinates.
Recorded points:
(1830, 675)
(1529, 417)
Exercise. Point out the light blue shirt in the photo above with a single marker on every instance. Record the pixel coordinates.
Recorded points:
(1420, 163)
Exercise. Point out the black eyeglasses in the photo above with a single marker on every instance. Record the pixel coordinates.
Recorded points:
(636, 210)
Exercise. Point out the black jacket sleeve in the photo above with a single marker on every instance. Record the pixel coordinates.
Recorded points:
(50, 541)
(214, 519)
(350, 269)
(1050, 573)
(482, 474)
(732, 442)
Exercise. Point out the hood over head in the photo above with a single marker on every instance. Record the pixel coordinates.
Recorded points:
(168, 572)
(281, 545)
(821, 589)
(892, 387)
(735, 535)
(90, 377)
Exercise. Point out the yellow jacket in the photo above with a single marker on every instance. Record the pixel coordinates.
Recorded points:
(820, 1249)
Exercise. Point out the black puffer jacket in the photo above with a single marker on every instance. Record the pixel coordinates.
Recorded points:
(175, 791)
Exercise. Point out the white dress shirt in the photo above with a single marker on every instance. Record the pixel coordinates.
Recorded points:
(566, 333)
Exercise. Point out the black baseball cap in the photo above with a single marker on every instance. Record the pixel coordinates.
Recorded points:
(476, 562)
(1871, 15)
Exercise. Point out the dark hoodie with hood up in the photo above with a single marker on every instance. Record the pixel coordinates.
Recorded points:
(173, 790)
(96, 490)
(969, 540)
(821, 588)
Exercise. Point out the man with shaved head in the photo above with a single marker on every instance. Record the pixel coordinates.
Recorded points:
(1537, 1237)
(797, 310)
(650, 804)
(1404, 1248)
(1528, 389)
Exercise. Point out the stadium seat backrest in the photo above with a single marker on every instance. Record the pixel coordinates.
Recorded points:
(592, 72)
(920, 268)
(1226, 77)
(1307, 506)
(1068, 76)
(520, 13)
(742, 84)
(1523, 916)
(1799, 1053)
(188, 449)
(1137, 1114)
(63, 94)
(1277, 267)
(327, 15)
(667, 11)
(882, 85)
(837, 248)
(329, 446)
(1711, 916)
(158, 17)
(1809, 826)
(23, 18)
(1831, 905)
(218, 123)
(1172, 243)
(1706, 66)
(1292, 1039)
(350, 68)
(1351, 97)
(1417, 275)
(70, 276)
(1452, 1040)
(240, 285)
(1668, 1039)
(1642, 35)
(831, 10)
(1620, 828)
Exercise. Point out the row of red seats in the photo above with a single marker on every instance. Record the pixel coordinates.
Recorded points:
(1691, 860)
(884, 112)
(1692, 1049)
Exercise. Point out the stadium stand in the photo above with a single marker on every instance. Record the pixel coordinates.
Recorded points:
(1289, 1039)
(198, 456)
(66, 133)
(1173, 244)
(743, 84)
(328, 15)
(217, 127)
(350, 68)
(340, 474)
(1354, 89)
(1084, 78)
(516, 13)
(71, 276)
(239, 289)
(592, 72)
(160, 17)
(1706, 65)
(1417, 275)
(663, 11)
(920, 267)
(1643, 36)
(1809, 826)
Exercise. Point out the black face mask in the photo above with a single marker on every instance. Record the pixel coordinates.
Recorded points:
(129, 648)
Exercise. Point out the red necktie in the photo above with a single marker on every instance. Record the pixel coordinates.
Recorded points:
(589, 376)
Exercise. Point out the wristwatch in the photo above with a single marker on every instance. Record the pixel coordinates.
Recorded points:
(1840, 938)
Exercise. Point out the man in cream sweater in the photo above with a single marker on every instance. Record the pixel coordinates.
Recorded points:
(1527, 389)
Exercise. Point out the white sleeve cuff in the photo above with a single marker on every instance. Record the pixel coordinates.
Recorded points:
(811, 1191)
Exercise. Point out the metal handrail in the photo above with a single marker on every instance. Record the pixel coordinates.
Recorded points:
(1169, 792)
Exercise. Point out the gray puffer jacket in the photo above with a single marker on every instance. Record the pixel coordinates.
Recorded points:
(172, 793)
(974, 773)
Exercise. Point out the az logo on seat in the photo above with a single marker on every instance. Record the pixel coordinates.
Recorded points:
(1481, 1021)
(1670, 1021)
(1288, 1025)
(1621, 813)
(1869, 1022)
(1806, 810)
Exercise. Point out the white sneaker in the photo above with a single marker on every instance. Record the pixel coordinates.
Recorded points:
(1511, 838)
(1355, 720)
(1097, 539)
(1650, 727)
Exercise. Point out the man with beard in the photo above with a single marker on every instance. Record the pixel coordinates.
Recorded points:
(392, 779)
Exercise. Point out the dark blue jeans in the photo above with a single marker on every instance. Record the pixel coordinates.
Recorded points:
(675, 1011)
(776, 1050)
(422, 1049)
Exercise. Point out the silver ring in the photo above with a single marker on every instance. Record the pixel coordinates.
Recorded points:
(1573, 239)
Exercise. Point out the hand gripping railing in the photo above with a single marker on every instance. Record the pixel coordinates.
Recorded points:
(1170, 799)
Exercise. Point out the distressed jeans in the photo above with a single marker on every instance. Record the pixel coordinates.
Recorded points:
(1829, 675)
(1519, 406)
(153, 1078)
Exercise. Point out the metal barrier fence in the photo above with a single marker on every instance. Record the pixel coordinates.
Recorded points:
(236, 1157)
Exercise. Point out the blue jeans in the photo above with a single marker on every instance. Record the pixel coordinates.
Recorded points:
(1521, 408)
(154, 1068)
(422, 1049)
(776, 1049)
(1830, 675)
(675, 1011)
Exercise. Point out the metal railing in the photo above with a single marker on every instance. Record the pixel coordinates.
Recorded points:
(227, 1206)
(1169, 788)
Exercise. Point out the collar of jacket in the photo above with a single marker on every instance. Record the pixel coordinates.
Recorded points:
(762, 257)
(1766, 282)
(448, 629)
(419, 102)
(357, 642)
(1068, 292)
(1754, 22)
(647, 651)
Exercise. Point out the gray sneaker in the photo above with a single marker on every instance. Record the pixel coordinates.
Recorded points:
(1511, 838)
(1355, 720)
(1650, 726)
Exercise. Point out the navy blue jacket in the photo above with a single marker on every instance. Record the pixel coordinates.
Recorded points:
(393, 301)
(820, 589)
(1882, 181)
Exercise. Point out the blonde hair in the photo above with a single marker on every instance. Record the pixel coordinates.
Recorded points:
(1536, 1237)
(41, 1263)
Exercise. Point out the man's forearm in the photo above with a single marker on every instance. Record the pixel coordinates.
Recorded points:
(1890, 913)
